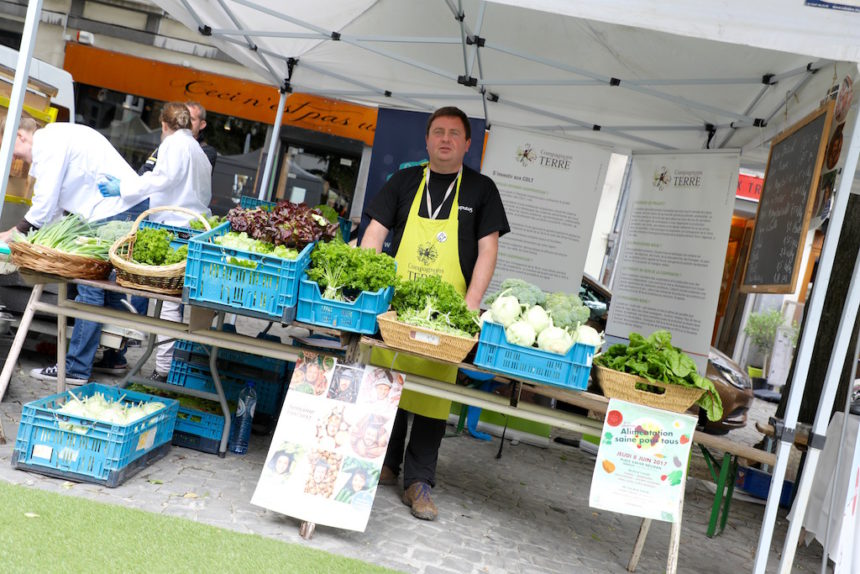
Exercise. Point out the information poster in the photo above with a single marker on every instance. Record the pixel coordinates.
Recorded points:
(551, 189)
(324, 460)
(641, 466)
(670, 263)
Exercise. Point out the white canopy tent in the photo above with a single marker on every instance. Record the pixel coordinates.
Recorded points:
(633, 75)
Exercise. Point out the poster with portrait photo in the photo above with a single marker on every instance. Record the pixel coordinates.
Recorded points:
(327, 450)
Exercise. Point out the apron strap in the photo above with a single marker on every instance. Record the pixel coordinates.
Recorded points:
(434, 214)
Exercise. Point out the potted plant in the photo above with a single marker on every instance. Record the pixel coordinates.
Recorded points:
(761, 329)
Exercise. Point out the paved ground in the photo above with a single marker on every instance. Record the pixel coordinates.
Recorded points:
(526, 512)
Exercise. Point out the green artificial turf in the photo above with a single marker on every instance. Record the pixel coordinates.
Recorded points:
(45, 532)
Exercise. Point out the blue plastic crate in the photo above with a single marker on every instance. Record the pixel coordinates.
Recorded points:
(199, 377)
(358, 316)
(270, 291)
(247, 202)
(569, 371)
(756, 482)
(198, 430)
(106, 453)
(234, 361)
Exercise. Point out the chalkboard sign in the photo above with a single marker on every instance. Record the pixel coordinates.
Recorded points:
(785, 207)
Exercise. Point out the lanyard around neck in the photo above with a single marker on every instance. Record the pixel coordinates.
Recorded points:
(433, 214)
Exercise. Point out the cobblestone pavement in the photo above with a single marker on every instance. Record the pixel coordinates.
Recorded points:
(526, 512)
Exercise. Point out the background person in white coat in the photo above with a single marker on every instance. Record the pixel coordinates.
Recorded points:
(182, 177)
(67, 160)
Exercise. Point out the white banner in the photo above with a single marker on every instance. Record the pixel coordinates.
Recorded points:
(670, 264)
(324, 460)
(551, 188)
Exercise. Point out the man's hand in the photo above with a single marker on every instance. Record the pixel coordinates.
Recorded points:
(109, 187)
(5, 236)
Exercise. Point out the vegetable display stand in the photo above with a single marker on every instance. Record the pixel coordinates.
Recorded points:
(630, 388)
(427, 342)
(569, 371)
(90, 450)
(47, 260)
(358, 316)
(166, 279)
(238, 281)
(245, 364)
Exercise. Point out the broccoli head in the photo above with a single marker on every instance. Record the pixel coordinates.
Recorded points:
(525, 292)
(566, 310)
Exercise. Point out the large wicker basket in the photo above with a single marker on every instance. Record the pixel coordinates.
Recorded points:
(47, 260)
(618, 385)
(166, 279)
(421, 341)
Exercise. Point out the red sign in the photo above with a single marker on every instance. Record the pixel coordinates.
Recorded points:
(749, 187)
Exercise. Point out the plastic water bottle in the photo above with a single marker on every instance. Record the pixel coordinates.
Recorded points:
(240, 431)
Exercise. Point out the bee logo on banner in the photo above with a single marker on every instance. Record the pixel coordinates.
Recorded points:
(325, 456)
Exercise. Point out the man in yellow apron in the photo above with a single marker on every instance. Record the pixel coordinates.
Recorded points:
(446, 220)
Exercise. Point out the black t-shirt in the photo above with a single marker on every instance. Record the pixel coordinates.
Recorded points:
(481, 211)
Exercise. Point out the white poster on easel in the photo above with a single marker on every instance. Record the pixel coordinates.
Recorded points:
(670, 263)
(551, 189)
(325, 456)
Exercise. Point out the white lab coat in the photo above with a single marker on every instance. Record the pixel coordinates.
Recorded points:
(68, 160)
(182, 176)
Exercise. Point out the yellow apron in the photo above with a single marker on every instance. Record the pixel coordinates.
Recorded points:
(428, 247)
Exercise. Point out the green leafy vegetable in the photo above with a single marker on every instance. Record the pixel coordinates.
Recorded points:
(335, 266)
(655, 359)
(70, 234)
(328, 212)
(213, 221)
(431, 298)
(242, 242)
(152, 247)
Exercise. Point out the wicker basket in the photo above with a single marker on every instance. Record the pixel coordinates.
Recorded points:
(421, 341)
(46, 260)
(166, 279)
(618, 385)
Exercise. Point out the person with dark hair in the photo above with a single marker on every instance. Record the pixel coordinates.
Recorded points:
(459, 213)
(356, 484)
(282, 462)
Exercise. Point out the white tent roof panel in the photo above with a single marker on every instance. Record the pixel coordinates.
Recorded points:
(551, 66)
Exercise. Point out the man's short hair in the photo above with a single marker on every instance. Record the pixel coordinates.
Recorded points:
(26, 124)
(451, 112)
(201, 111)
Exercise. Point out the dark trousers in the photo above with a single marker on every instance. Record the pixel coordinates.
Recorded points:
(422, 452)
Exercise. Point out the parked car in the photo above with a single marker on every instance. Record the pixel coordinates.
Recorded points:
(731, 381)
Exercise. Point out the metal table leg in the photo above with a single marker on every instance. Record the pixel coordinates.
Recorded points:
(216, 379)
(18, 342)
(147, 352)
(62, 295)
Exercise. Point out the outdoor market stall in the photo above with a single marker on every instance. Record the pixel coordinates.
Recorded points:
(645, 60)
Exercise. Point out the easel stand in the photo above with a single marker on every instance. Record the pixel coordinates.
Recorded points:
(674, 542)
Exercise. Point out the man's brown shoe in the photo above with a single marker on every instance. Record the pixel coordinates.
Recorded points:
(387, 476)
(418, 497)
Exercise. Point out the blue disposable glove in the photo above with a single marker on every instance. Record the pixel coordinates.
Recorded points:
(109, 187)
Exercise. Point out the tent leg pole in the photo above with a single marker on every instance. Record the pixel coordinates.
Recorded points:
(802, 360)
(19, 90)
(273, 145)
(825, 405)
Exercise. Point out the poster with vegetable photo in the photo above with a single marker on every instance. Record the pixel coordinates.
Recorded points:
(326, 453)
(641, 465)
